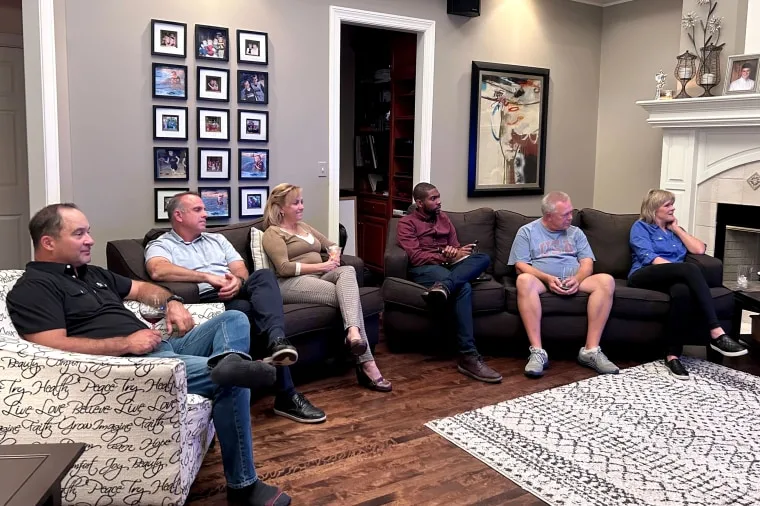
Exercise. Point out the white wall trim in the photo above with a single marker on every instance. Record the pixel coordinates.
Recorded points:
(423, 129)
(11, 40)
(41, 103)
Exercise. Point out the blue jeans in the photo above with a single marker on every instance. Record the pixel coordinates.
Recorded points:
(260, 300)
(200, 349)
(457, 282)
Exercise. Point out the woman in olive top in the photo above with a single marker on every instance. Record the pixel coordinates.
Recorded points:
(294, 249)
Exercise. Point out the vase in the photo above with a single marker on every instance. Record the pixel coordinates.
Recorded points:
(708, 75)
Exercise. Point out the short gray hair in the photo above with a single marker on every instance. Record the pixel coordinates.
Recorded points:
(176, 203)
(550, 200)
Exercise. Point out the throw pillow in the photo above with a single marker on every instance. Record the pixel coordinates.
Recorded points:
(259, 256)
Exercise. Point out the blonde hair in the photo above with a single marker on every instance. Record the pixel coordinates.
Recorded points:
(653, 200)
(278, 198)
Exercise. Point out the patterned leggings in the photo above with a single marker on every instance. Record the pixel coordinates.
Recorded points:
(337, 289)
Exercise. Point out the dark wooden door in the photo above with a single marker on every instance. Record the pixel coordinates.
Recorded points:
(371, 233)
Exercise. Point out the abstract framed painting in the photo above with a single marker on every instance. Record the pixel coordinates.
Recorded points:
(508, 119)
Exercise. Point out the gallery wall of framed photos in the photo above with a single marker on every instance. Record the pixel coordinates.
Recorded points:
(226, 168)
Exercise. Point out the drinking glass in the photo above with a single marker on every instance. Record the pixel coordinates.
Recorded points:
(744, 276)
(334, 252)
(567, 272)
(153, 311)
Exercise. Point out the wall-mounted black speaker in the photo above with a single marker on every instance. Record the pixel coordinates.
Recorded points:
(469, 8)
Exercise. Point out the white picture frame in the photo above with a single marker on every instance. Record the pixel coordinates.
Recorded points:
(735, 79)
(162, 196)
(168, 38)
(213, 124)
(253, 126)
(253, 200)
(214, 164)
(253, 47)
(169, 122)
(213, 84)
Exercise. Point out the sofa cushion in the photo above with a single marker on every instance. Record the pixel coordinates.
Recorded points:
(487, 296)
(608, 236)
(507, 224)
(477, 224)
(259, 257)
(628, 303)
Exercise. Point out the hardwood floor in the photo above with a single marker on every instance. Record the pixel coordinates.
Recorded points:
(374, 449)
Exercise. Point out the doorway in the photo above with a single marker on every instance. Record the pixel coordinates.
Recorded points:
(15, 250)
(424, 32)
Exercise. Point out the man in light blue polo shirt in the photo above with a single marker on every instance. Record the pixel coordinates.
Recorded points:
(551, 254)
(189, 253)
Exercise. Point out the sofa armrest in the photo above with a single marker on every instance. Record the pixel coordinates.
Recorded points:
(358, 265)
(711, 268)
(127, 257)
(396, 261)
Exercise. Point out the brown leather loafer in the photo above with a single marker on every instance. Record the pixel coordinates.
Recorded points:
(474, 367)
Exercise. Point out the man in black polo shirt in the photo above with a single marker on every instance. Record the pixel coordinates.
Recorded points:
(63, 303)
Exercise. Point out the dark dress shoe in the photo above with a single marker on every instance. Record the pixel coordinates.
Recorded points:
(472, 365)
(298, 408)
(436, 295)
(258, 494)
(281, 352)
(379, 385)
(482, 278)
(357, 347)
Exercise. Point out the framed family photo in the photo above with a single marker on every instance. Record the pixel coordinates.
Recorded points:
(211, 43)
(253, 126)
(253, 47)
(163, 195)
(217, 202)
(253, 199)
(741, 75)
(213, 164)
(253, 164)
(213, 124)
(169, 122)
(170, 164)
(253, 87)
(169, 81)
(168, 38)
(508, 118)
(213, 84)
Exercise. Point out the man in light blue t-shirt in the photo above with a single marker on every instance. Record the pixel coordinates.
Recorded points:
(551, 254)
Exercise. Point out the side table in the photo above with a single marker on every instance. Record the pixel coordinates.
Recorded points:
(31, 474)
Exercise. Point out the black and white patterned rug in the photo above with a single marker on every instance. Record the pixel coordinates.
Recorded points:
(638, 438)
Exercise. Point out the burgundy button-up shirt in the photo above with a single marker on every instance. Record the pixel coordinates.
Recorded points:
(423, 237)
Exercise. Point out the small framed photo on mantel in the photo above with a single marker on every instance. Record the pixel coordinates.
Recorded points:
(742, 74)
(168, 38)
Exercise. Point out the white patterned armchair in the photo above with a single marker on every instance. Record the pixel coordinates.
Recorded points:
(146, 436)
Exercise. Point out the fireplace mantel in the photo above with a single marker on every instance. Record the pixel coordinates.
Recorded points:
(709, 112)
(703, 138)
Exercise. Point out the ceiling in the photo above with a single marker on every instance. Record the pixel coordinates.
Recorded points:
(602, 3)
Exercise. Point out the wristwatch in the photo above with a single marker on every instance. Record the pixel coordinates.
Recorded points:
(175, 297)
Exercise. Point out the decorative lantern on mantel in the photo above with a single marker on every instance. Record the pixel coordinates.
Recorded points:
(709, 71)
(684, 72)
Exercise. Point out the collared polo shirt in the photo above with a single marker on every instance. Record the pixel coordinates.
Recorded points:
(87, 301)
(209, 253)
(648, 241)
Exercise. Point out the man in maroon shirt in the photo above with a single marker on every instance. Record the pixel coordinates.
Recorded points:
(440, 263)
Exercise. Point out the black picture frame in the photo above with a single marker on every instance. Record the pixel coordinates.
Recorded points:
(159, 30)
(169, 123)
(211, 52)
(257, 92)
(161, 197)
(171, 163)
(205, 123)
(247, 164)
(205, 76)
(210, 195)
(252, 208)
(253, 126)
(214, 156)
(247, 40)
(165, 85)
(511, 159)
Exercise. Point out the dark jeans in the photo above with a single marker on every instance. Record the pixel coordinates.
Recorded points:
(687, 288)
(259, 298)
(457, 280)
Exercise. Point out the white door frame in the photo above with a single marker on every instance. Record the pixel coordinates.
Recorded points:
(423, 124)
(41, 103)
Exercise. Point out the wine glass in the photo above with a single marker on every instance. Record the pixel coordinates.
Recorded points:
(153, 311)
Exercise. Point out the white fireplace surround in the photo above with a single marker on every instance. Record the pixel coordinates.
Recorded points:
(710, 148)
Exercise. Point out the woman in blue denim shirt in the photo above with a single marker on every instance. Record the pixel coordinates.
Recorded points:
(658, 249)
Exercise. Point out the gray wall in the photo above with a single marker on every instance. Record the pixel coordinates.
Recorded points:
(638, 39)
(108, 64)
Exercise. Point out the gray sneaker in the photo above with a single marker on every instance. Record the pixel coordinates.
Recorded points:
(597, 361)
(537, 363)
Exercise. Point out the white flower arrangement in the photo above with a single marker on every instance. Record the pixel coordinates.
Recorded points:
(710, 29)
